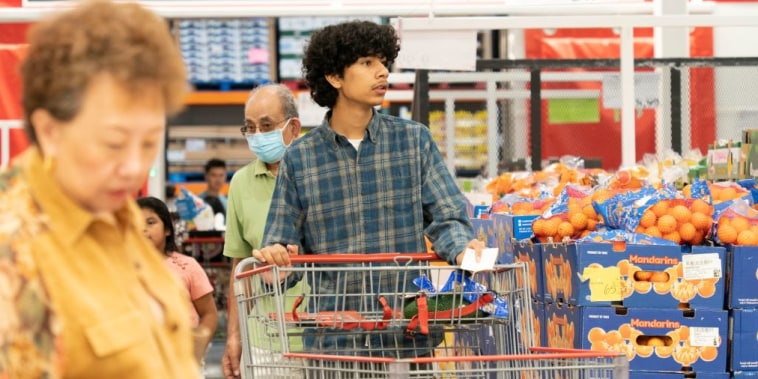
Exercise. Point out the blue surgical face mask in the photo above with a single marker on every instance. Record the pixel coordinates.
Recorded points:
(268, 147)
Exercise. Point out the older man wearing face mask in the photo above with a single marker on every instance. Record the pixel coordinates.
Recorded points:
(271, 124)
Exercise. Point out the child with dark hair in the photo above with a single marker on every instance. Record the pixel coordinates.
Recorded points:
(159, 229)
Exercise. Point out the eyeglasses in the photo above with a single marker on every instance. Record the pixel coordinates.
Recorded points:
(264, 127)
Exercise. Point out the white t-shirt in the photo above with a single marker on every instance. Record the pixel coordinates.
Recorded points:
(356, 143)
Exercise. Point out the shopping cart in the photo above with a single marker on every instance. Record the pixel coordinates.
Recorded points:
(397, 316)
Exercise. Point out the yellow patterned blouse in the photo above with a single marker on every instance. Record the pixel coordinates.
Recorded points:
(82, 297)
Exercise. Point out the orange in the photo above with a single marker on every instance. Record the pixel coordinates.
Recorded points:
(700, 205)
(681, 213)
(656, 341)
(728, 193)
(673, 237)
(724, 221)
(726, 233)
(715, 193)
(660, 208)
(659, 277)
(551, 226)
(565, 229)
(643, 276)
(523, 207)
(640, 229)
(591, 224)
(740, 223)
(648, 219)
(653, 232)
(701, 221)
(538, 226)
(699, 238)
(578, 220)
(687, 232)
(666, 224)
(600, 196)
(747, 238)
(589, 211)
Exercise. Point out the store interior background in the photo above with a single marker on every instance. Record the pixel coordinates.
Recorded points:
(209, 126)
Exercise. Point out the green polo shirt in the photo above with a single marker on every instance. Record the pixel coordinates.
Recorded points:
(250, 193)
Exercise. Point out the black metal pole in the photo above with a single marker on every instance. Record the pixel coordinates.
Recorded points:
(676, 109)
(420, 106)
(536, 119)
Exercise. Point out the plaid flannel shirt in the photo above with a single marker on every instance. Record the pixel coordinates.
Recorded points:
(330, 198)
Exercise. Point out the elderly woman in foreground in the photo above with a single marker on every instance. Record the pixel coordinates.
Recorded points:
(83, 294)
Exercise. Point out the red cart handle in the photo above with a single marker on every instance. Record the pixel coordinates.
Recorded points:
(364, 258)
(421, 319)
(346, 320)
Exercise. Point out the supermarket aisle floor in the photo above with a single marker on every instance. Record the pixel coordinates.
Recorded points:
(213, 360)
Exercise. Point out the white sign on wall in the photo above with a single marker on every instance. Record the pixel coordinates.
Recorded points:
(436, 49)
(645, 90)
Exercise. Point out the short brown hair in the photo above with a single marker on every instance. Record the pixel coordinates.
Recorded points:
(125, 41)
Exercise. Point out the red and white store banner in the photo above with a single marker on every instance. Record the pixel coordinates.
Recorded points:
(12, 49)
(12, 138)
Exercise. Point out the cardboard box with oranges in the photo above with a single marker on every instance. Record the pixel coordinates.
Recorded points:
(484, 230)
(635, 276)
(744, 339)
(508, 229)
(743, 262)
(538, 310)
(530, 254)
(652, 339)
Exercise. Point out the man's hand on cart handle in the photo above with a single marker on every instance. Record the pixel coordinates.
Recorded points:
(475, 245)
(276, 255)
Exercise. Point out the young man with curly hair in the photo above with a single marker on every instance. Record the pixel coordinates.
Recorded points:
(362, 182)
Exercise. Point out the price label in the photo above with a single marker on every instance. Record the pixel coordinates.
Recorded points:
(605, 283)
(701, 266)
(700, 336)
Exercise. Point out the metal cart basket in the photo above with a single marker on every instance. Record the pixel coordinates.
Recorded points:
(397, 316)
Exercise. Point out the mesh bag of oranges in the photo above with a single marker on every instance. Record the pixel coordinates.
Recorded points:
(683, 221)
(625, 209)
(661, 214)
(520, 205)
(737, 225)
(571, 216)
(629, 178)
(724, 194)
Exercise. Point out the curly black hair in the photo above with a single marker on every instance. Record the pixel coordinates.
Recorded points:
(335, 47)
